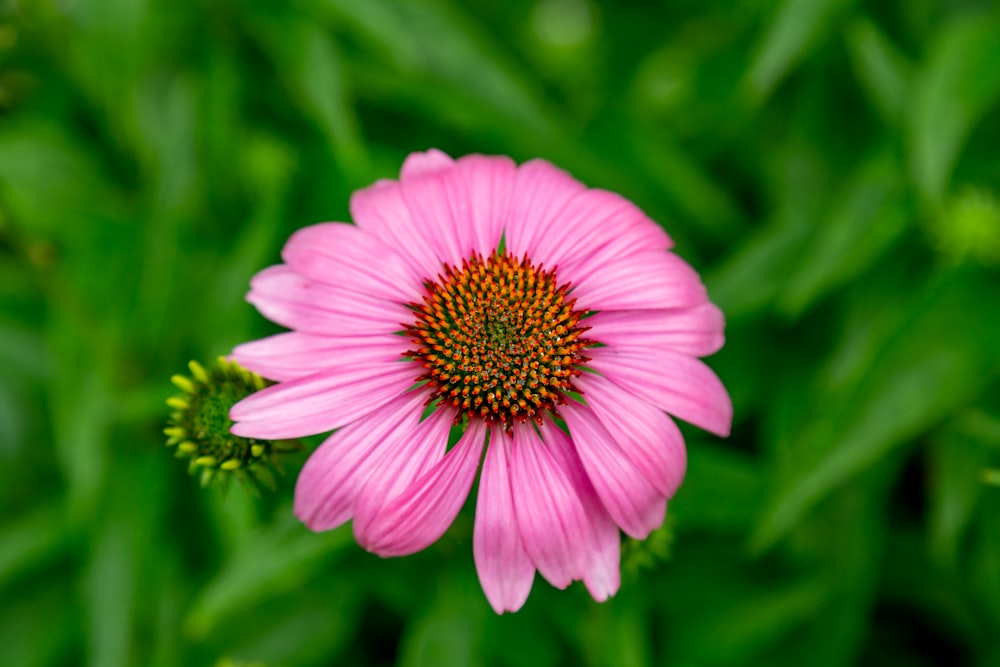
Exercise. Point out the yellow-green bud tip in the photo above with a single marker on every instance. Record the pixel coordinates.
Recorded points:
(183, 383)
(198, 371)
(178, 403)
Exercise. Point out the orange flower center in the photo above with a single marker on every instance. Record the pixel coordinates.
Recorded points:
(499, 339)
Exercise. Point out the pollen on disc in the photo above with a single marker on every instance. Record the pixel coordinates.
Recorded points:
(499, 339)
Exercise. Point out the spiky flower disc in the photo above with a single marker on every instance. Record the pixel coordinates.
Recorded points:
(499, 339)
(199, 425)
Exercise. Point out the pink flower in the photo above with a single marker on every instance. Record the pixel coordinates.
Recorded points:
(551, 320)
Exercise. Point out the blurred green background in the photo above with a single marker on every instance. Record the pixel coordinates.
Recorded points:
(832, 167)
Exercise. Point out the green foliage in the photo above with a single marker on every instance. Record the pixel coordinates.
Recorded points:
(829, 166)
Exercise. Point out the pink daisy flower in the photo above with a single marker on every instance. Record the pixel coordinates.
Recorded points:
(550, 320)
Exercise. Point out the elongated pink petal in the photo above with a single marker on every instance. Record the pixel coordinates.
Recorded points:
(345, 256)
(505, 570)
(399, 470)
(421, 164)
(380, 210)
(645, 434)
(631, 500)
(603, 554)
(420, 515)
(541, 191)
(489, 182)
(292, 300)
(681, 385)
(440, 209)
(597, 221)
(292, 355)
(647, 280)
(321, 402)
(328, 486)
(697, 331)
(554, 529)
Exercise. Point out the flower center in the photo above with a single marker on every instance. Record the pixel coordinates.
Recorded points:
(499, 339)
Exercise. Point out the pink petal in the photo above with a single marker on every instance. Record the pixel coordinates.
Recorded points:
(541, 191)
(421, 164)
(505, 570)
(418, 517)
(294, 301)
(682, 385)
(597, 220)
(631, 500)
(292, 355)
(647, 280)
(554, 529)
(697, 331)
(322, 401)
(440, 211)
(406, 463)
(489, 181)
(328, 484)
(645, 434)
(601, 571)
(343, 255)
(380, 210)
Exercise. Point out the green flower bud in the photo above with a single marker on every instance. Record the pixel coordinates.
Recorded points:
(199, 425)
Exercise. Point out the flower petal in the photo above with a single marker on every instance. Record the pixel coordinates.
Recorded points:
(294, 301)
(291, 355)
(402, 466)
(342, 255)
(418, 517)
(601, 573)
(420, 164)
(328, 484)
(322, 401)
(489, 181)
(440, 210)
(646, 280)
(505, 570)
(541, 191)
(597, 221)
(697, 331)
(646, 435)
(554, 529)
(682, 385)
(631, 500)
(380, 210)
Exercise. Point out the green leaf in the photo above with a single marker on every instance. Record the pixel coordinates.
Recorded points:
(430, 38)
(955, 463)
(40, 162)
(38, 627)
(880, 68)
(277, 562)
(795, 27)
(613, 635)
(750, 279)
(958, 83)
(313, 72)
(938, 360)
(743, 627)
(722, 490)
(868, 215)
(32, 541)
(448, 633)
